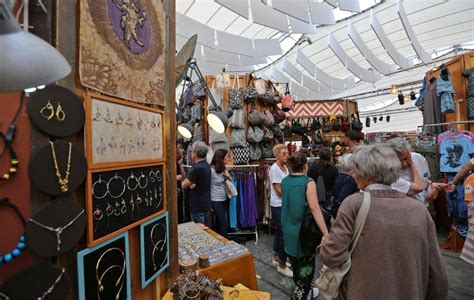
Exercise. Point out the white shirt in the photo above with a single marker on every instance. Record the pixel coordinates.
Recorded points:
(276, 175)
(403, 184)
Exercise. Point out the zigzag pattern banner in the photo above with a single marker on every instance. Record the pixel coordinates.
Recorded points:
(309, 109)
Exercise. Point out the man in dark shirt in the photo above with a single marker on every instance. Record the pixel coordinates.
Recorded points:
(326, 169)
(199, 184)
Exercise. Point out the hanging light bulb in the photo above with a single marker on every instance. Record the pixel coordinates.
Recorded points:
(187, 129)
(219, 120)
(393, 90)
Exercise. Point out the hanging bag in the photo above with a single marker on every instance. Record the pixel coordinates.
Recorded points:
(237, 119)
(278, 115)
(251, 93)
(356, 123)
(316, 124)
(230, 189)
(277, 132)
(330, 280)
(287, 103)
(237, 138)
(255, 117)
(267, 150)
(236, 97)
(217, 94)
(336, 125)
(255, 152)
(269, 120)
(326, 126)
(287, 130)
(199, 89)
(268, 135)
(346, 125)
(296, 127)
(241, 155)
(223, 80)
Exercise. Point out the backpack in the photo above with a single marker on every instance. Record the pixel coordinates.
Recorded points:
(325, 198)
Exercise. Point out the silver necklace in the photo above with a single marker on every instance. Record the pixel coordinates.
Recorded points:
(57, 230)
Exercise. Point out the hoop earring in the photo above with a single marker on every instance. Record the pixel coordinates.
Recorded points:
(49, 107)
(60, 114)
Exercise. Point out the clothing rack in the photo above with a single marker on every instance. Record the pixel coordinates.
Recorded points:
(447, 123)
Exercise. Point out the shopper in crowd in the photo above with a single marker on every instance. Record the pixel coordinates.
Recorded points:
(345, 184)
(277, 172)
(180, 174)
(199, 184)
(299, 194)
(351, 139)
(327, 170)
(218, 193)
(397, 255)
(414, 173)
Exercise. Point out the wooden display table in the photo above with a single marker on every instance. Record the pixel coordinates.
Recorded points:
(240, 269)
(229, 293)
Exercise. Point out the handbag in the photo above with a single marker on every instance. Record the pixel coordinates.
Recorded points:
(316, 124)
(199, 89)
(329, 282)
(241, 155)
(336, 125)
(287, 103)
(236, 95)
(267, 150)
(237, 119)
(217, 94)
(278, 115)
(255, 152)
(269, 120)
(237, 138)
(356, 123)
(251, 93)
(230, 189)
(223, 80)
(255, 117)
(326, 126)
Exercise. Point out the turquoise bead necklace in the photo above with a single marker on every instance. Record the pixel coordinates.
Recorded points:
(21, 245)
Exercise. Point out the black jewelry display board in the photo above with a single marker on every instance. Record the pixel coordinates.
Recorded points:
(42, 170)
(42, 280)
(56, 111)
(104, 270)
(64, 215)
(154, 248)
(119, 199)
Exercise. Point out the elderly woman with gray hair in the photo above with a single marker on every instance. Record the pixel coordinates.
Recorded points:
(345, 184)
(397, 254)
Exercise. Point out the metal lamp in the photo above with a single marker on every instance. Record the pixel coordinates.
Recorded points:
(26, 60)
(187, 129)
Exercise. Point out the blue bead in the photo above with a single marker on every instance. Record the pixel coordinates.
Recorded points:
(22, 238)
(16, 252)
(8, 257)
(21, 245)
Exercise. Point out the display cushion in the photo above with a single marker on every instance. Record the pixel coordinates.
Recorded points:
(109, 280)
(71, 106)
(43, 173)
(31, 283)
(125, 213)
(156, 246)
(55, 214)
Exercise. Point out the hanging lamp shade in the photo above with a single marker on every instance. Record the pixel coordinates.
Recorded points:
(187, 129)
(26, 60)
(219, 120)
(393, 90)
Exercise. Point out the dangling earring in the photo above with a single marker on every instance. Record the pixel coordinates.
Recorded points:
(60, 114)
(49, 107)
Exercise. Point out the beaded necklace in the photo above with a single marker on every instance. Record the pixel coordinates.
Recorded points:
(21, 245)
(8, 139)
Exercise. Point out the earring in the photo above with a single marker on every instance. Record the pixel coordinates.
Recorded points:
(49, 107)
(60, 114)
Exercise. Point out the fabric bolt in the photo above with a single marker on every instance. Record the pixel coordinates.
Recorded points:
(430, 151)
(233, 207)
(467, 253)
(454, 153)
(276, 175)
(303, 274)
(217, 186)
(456, 205)
(220, 211)
(396, 227)
(293, 211)
(444, 89)
(432, 110)
(278, 242)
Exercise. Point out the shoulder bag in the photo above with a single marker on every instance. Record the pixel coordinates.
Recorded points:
(329, 281)
(230, 189)
(236, 95)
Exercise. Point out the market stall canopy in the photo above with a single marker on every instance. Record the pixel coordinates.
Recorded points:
(323, 55)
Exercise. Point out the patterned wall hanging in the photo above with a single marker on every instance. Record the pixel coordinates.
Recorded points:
(122, 48)
(316, 108)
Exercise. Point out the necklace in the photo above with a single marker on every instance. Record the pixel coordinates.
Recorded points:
(120, 280)
(63, 182)
(57, 230)
(20, 247)
(156, 248)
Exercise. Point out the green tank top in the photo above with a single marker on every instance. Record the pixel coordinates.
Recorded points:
(293, 210)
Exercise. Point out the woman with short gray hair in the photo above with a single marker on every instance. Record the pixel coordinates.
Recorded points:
(397, 255)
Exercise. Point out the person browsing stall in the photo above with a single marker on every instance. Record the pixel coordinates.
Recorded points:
(218, 193)
(199, 184)
(277, 172)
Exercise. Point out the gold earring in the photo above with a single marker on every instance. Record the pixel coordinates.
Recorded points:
(49, 107)
(60, 114)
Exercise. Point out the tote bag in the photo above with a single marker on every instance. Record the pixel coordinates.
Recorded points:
(329, 282)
